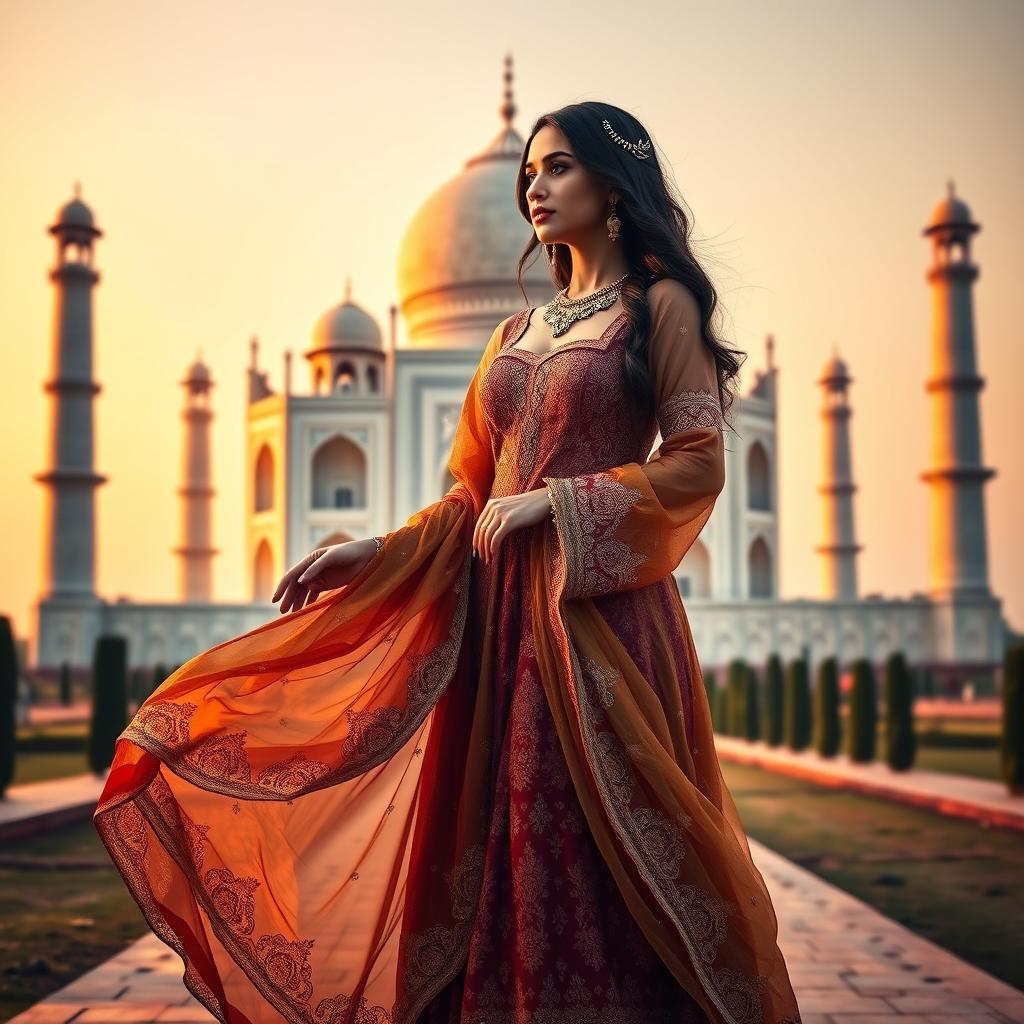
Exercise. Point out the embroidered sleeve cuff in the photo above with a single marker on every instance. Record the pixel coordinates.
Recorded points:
(588, 510)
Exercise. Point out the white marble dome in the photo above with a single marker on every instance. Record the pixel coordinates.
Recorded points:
(457, 261)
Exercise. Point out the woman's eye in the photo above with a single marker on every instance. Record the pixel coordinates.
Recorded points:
(530, 176)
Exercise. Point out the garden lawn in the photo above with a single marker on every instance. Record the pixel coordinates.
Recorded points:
(955, 882)
(61, 914)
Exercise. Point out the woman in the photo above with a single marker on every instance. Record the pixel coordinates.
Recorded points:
(469, 773)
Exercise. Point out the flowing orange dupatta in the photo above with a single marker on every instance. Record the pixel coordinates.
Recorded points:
(301, 812)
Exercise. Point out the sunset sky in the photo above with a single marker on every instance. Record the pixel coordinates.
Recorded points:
(243, 159)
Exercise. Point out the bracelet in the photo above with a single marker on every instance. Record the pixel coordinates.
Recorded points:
(551, 502)
(379, 541)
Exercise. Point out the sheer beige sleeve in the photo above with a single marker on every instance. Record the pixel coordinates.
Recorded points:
(630, 525)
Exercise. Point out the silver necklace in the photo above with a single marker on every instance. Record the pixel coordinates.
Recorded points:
(562, 312)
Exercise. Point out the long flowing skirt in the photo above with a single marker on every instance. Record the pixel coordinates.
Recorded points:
(553, 940)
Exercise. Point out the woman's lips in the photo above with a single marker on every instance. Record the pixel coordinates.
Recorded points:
(542, 215)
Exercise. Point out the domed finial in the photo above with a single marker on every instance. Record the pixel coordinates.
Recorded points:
(348, 289)
(508, 108)
(951, 188)
(78, 190)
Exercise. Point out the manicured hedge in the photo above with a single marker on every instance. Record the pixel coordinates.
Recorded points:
(826, 709)
(109, 699)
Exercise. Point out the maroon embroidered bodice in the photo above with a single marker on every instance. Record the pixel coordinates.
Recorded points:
(563, 412)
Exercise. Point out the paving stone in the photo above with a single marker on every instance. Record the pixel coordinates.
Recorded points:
(937, 1005)
(109, 1013)
(877, 1018)
(1011, 1008)
(185, 1015)
(871, 970)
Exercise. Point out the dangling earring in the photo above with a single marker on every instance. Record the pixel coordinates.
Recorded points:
(550, 249)
(614, 224)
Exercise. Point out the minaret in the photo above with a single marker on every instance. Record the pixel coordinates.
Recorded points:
(838, 549)
(195, 568)
(69, 564)
(957, 548)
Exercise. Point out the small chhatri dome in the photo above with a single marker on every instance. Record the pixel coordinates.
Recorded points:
(346, 325)
(75, 217)
(834, 371)
(75, 214)
(198, 373)
(950, 212)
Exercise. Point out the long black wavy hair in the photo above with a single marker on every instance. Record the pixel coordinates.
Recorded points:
(655, 232)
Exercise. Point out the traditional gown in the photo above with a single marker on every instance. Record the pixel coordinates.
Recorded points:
(452, 791)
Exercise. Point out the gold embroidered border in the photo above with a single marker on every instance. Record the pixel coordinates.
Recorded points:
(597, 562)
(689, 410)
(725, 985)
(464, 882)
(219, 763)
(243, 950)
(569, 530)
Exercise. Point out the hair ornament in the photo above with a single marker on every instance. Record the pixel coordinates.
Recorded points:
(640, 149)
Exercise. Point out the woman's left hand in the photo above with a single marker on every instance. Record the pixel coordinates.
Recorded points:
(500, 516)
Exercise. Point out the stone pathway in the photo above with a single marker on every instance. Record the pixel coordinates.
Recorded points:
(53, 713)
(956, 795)
(37, 806)
(849, 965)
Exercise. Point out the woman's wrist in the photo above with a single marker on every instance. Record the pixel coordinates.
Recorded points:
(372, 545)
(550, 499)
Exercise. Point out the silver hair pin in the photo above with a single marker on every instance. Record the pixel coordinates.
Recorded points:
(640, 149)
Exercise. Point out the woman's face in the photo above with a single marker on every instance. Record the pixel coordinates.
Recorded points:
(558, 182)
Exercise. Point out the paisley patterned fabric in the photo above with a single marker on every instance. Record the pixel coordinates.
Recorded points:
(451, 791)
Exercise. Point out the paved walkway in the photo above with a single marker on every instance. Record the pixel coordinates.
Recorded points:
(53, 713)
(956, 795)
(37, 806)
(849, 965)
(981, 709)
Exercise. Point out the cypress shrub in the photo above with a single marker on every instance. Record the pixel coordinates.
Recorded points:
(1012, 748)
(8, 702)
(109, 699)
(136, 680)
(734, 703)
(710, 691)
(927, 683)
(722, 709)
(771, 731)
(160, 673)
(65, 683)
(862, 720)
(900, 741)
(751, 705)
(826, 708)
(797, 705)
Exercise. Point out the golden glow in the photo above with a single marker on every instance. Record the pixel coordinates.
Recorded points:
(242, 162)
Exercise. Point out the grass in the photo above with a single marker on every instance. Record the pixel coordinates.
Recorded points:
(954, 882)
(978, 764)
(42, 767)
(64, 913)
(32, 765)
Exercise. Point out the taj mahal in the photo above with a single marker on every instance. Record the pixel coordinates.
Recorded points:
(363, 442)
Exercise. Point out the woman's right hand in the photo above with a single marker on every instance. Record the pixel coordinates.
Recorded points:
(323, 569)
